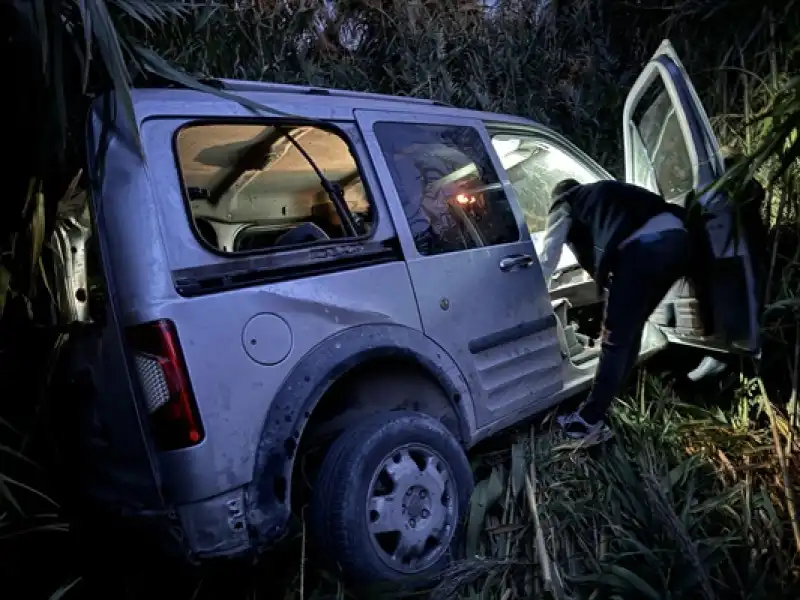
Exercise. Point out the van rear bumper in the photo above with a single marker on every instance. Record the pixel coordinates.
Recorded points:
(217, 526)
(190, 533)
(135, 536)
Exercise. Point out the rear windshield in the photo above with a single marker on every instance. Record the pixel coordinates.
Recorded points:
(250, 189)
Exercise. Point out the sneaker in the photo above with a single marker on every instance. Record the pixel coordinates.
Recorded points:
(577, 428)
(708, 366)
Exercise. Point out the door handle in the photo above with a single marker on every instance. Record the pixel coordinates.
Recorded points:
(515, 261)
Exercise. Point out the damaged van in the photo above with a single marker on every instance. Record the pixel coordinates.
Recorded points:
(356, 273)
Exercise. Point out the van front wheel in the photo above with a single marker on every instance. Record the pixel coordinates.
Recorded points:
(390, 498)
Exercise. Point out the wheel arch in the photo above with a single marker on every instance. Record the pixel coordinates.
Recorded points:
(269, 493)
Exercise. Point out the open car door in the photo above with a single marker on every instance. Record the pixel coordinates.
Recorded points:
(670, 148)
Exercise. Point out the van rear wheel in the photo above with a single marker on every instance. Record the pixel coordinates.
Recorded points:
(390, 498)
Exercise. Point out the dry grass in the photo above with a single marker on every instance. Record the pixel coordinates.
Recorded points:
(684, 504)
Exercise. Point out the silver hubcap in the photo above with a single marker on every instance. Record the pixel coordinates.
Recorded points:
(411, 510)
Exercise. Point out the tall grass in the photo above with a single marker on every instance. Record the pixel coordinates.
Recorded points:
(565, 64)
(687, 503)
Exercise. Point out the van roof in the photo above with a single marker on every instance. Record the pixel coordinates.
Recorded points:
(154, 100)
(239, 85)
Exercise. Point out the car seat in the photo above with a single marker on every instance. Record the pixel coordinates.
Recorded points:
(304, 233)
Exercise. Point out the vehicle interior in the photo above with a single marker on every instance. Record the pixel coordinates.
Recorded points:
(535, 165)
(250, 188)
(662, 163)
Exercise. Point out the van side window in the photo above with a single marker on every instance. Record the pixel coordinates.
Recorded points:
(451, 194)
(251, 189)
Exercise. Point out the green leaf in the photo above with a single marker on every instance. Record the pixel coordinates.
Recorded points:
(5, 286)
(86, 18)
(205, 16)
(519, 466)
(6, 493)
(153, 63)
(40, 10)
(504, 529)
(484, 496)
(150, 12)
(65, 589)
(4, 490)
(634, 582)
(677, 476)
(16, 454)
(37, 227)
(110, 52)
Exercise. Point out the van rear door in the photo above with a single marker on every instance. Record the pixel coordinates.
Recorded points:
(123, 475)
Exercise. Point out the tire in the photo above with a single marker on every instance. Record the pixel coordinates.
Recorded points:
(424, 515)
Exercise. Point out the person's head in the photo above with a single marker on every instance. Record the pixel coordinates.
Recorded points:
(563, 188)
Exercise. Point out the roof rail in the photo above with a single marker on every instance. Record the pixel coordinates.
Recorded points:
(157, 81)
(239, 85)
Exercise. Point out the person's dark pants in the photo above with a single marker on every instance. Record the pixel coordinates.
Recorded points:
(644, 271)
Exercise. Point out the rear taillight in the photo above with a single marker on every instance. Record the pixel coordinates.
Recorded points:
(174, 420)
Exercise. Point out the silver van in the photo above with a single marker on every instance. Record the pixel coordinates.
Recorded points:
(354, 272)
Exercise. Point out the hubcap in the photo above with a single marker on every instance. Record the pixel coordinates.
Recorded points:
(411, 510)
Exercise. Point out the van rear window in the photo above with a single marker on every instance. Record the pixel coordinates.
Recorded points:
(252, 188)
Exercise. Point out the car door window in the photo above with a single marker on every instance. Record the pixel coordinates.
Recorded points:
(451, 193)
(250, 189)
(535, 165)
(661, 155)
(643, 173)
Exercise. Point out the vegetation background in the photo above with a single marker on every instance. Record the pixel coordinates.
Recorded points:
(697, 499)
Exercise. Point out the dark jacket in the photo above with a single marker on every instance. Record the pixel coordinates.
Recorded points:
(602, 215)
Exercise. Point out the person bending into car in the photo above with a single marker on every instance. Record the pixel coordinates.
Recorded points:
(635, 246)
